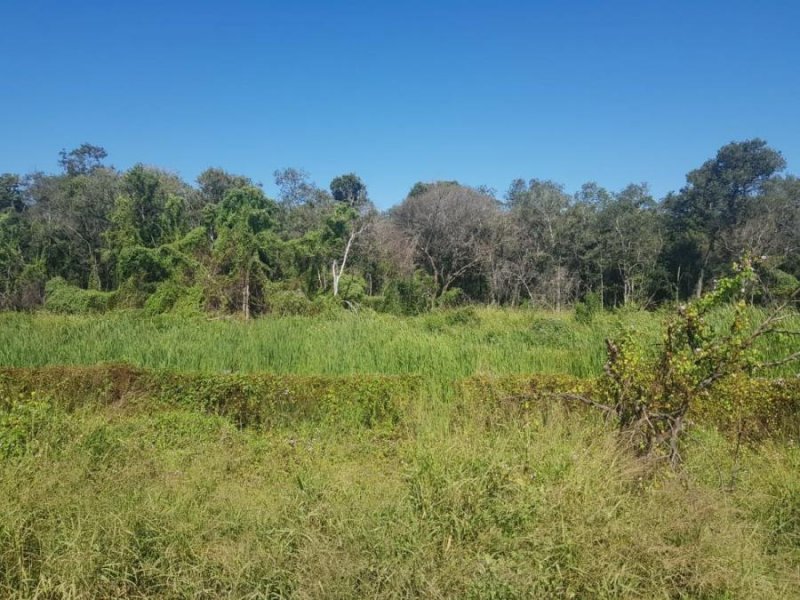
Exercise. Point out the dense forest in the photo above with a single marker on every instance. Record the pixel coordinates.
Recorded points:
(92, 238)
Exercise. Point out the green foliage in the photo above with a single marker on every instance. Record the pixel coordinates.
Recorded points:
(411, 296)
(440, 320)
(143, 265)
(452, 298)
(127, 232)
(352, 288)
(551, 332)
(349, 190)
(586, 309)
(25, 421)
(289, 302)
(63, 297)
(173, 296)
(651, 396)
(780, 285)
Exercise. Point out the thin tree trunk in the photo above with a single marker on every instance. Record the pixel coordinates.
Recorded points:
(246, 295)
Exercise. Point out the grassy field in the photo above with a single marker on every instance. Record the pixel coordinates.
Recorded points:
(457, 497)
(133, 501)
(442, 346)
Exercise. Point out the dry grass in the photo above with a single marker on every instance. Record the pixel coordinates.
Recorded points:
(178, 504)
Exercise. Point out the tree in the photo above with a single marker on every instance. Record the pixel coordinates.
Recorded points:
(150, 210)
(244, 221)
(350, 190)
(82, 160)
(542, 212)
(303, 206)
(11, 197)
(718, 197)
(450, 226)
(215, 183)
(630, 241)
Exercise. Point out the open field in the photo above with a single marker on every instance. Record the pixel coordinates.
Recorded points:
(365, 465)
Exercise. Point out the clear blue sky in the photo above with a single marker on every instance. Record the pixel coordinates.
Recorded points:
(481, 92)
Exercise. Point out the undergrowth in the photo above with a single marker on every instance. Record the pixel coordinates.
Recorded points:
(170, 502)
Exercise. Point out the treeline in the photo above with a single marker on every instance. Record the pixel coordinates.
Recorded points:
(92, 238)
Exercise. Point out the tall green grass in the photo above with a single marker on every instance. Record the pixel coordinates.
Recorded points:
(446, 345)
(440, 346)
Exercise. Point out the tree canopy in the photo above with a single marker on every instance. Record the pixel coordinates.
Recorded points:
(149, 239)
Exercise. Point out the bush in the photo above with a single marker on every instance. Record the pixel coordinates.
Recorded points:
(781, 285)
(289, 302)
(164, 298)
(452, 298)
(586, 309)
(411, 296)
(352, 288)
(63, 297)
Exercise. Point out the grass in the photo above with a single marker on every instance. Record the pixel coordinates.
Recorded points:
(456, 497)
(133, 501)
(439, 346)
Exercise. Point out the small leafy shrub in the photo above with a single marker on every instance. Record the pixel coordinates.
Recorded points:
(452, 298)
(352, 288)
(63, 297)
(586, 309)
(164, 298)
(651, 396)
(779, 284)
(289, 302)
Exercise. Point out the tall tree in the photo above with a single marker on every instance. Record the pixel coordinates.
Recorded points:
(450, 227)
(244, 221)
(350, 190)
(630, 240)
(11, 196)
(541, 210)
(717, 198)
(82, 160)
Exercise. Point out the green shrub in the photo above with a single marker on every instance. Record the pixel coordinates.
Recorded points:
(289, 302)
(452, 298)
(411, 296)
(164, 298)
(352, 288)
(586, 309)
(781, 285)
(63, 297)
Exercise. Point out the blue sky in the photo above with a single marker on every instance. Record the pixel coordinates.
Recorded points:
(481, 92)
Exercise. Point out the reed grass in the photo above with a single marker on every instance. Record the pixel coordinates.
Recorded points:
(442, 346)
